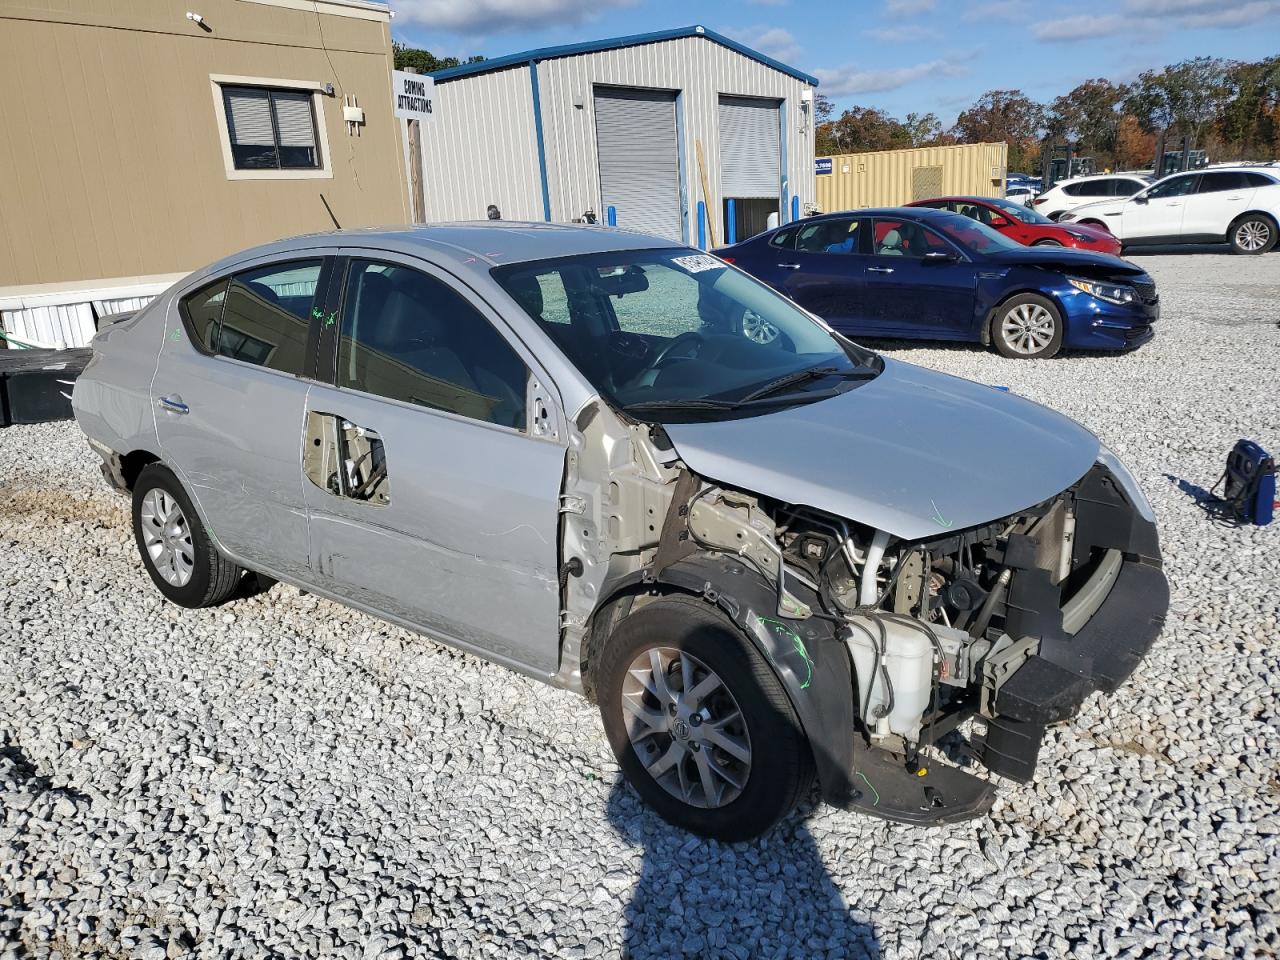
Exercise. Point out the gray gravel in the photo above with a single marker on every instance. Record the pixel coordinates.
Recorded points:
(283, 777)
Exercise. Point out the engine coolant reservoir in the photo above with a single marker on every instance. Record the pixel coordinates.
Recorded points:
(908, 658)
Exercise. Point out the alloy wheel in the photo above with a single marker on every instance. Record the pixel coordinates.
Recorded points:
(757, 329)
(1028, 328)
(1253, 235)
(166, 536)
(686, 727)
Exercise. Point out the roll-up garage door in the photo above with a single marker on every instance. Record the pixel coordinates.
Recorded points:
(750, 164)
(639, 166)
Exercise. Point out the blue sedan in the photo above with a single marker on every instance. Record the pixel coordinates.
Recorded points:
(930, 274)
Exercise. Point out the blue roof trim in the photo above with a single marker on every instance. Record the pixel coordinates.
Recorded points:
(596, 46)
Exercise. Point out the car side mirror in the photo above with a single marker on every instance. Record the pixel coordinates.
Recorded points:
(940, 256)
(1141, 198)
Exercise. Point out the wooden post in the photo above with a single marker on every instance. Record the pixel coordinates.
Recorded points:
(706, 194)
(417, 200)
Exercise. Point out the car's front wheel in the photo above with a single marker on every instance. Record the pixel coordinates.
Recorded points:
(1252, 234)
(699, 722)
(175, 547)
(1046, 243)
(1027, 327)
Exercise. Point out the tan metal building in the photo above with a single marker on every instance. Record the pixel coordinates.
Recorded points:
(888, 178)
(145, 138)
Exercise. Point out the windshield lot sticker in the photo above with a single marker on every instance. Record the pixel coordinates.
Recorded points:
(698, 262)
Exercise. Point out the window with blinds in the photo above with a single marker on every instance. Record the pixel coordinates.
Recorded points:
(271, 129)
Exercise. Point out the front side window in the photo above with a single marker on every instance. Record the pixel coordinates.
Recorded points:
(681, 332)
(271, 129)
(268, 315)
(905, 238)
(829, 236)
(1173, 187)
(1127, 188)
(410, 337)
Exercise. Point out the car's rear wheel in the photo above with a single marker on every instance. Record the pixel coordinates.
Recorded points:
(1027, 327)
(699, 722)
(1252, 234)
(175, 547)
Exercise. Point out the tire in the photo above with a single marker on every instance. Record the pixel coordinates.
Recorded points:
(1046, 243)
(755, 327)
(1252, 234)
(178, 554)
(770, 767)
(1036, 316)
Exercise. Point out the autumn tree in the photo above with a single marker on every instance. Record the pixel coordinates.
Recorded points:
(1088, 115)
(1004, 115)
(862, 129)
(1248, 119)
(1135, 147)
(1184, 98)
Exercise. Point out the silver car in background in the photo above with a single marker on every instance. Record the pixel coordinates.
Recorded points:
(569, 450)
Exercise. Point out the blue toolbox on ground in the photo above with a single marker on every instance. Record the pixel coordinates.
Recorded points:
(1249, 483)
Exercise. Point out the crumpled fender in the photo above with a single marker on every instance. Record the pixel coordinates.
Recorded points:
(808, 657)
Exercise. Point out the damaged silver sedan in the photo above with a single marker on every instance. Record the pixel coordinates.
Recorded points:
(573, 452)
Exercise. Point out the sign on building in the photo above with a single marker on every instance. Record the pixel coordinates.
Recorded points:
(822, 165)
(412, 94)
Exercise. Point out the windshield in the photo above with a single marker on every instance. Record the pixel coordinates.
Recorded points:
(679, 334)
(973, 236)
(1016, 211)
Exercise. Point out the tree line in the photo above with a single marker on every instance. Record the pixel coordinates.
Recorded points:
(1229, 108)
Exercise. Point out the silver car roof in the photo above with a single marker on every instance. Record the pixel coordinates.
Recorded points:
(466, 247)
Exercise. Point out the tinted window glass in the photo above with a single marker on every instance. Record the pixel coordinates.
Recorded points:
(1072, 189)
(202, 310)
(1127, 188)
(1259, 180)
(1094, 188)
(1227, 180)
(408, 336)
(829, 236)
(785, 239)
(904, 238)
(1173, 187)
(974, 211)
(268, 315)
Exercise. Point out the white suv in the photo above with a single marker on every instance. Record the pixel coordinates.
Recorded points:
(1069, 194)
(1239, 206)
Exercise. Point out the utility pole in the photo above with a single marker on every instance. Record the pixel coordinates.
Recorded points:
(417, 201)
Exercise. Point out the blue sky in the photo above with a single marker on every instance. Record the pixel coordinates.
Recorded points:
(900, 55)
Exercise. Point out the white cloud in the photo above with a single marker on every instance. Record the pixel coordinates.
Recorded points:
(771, 41)
(478, 17)
(1084, 27)
(1226, 16)
(908, 8)
(904, 33)
(843, 81)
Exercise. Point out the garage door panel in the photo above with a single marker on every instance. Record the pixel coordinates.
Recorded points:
(639, 162)
(750, 151)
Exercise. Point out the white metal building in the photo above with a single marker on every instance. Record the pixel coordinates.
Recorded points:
(616, 126)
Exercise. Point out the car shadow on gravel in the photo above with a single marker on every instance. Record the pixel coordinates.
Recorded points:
(771, 897)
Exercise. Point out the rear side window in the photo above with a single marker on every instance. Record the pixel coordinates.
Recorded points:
(829, 236)
(1259, 180)
(202, 312)
(1227, 180)
(786, 239)
(268, 315)
(407, 336)
(1094, 188)
(1072, 189)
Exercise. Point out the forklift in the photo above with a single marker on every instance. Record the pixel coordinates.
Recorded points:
(1177, 161)
(1058, 162)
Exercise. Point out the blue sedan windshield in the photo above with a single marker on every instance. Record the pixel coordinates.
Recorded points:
(680, 328)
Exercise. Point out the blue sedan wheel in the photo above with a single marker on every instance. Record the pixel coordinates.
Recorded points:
(1027, 327)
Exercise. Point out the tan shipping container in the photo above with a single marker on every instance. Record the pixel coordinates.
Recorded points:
(889, 178)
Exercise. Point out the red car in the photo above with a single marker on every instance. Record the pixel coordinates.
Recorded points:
(1025, 225)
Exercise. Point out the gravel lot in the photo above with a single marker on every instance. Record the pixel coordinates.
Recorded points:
(283, 777)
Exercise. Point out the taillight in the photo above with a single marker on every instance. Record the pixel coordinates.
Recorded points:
(729, 259)
(1039, 200)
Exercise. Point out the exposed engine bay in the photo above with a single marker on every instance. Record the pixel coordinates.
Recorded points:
(897, 642)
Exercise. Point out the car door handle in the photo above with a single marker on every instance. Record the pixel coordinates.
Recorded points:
(174, 404)
(880, 269)
(790, 266)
